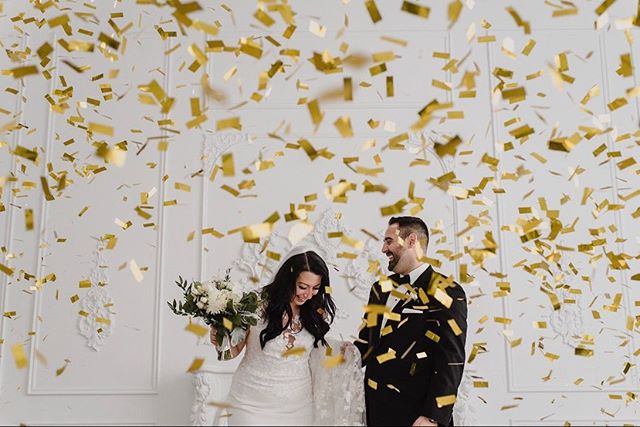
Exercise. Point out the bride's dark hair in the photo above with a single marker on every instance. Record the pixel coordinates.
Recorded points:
(315, 315)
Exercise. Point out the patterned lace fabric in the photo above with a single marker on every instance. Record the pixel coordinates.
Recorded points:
(271, 389)
(338, 391)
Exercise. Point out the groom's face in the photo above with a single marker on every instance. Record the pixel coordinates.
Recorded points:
(392, 246)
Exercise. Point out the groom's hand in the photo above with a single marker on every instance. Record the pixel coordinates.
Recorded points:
(424, 421)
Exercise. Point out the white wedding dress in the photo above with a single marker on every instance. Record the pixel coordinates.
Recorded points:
(271, 389)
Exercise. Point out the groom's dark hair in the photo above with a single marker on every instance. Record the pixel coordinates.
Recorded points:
(412, 224)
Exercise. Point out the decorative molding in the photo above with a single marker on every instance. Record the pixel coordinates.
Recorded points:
(210, 385)
(216, 144)
(464, 413)
(568, 322)
(153, 390)
(201, 413)
(16, 138)
(97, 303)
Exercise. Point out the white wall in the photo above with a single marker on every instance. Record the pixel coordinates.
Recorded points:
(133, 372)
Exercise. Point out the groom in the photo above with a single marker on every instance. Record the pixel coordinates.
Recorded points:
(413, 335)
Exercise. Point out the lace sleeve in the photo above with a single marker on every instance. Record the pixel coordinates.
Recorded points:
(338, 391)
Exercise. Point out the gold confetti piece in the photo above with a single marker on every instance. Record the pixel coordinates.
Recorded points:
(20, 72)
(486, 39)
(135, 270)
(395, 40)
(378, 69)
(389, 355)
(584, 352)
(314, 111)
(6, 270)
(519, 22)
(317, 29)
(228, 324)
(528, 47)
(83, 284)
(617, 103)
(481, 384)
(333, 361)
(31, 155)
(196, 329)
(264, 18)
(604, 6)
(415, 9)
(182, 187)
(374, 13)
(343, 124)
(28, 219)
(449, 148)
(443, 297)
(112, 43)
(454, 327)
(295, 351)
(626, 67)
(19, 356)
(230, 123)
(371, 383)
(447, 400)
(514, 95)
(228, 168)
(195, 365)
(213, 232)
(453, 12)
(347, 90)
(100, 128)
(61, 369)
(77, 68)
(251, 48)
(432, 336)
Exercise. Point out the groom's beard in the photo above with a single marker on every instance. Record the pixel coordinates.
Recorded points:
(393, 261)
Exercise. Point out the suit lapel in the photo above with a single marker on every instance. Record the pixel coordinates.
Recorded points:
(421, 282)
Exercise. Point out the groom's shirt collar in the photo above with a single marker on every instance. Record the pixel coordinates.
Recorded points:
(417, 272)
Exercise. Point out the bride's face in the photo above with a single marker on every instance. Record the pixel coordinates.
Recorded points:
(307, 285)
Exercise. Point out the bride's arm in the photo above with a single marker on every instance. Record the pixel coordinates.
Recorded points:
(236, 349)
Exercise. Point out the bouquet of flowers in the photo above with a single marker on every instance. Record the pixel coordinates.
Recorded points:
(220, 304)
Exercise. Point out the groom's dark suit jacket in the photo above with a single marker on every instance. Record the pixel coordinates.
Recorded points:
(429, 353)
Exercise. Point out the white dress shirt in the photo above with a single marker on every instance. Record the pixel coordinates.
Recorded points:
(393, 300)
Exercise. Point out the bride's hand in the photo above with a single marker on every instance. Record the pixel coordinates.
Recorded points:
(344, 348)
(212, 335)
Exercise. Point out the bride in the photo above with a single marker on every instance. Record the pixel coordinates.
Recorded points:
(289, 374)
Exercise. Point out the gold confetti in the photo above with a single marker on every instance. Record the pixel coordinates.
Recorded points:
(295, 351)
(374, 13)
(195, 365)
(19, 356)
(196, 329)
(343, 124)
(389, 355)
(442, 401)
(20, 72)
(135, 270)
(28, 219)
(230, 123)
(415, 9)
(228, 168)
(100, 128)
